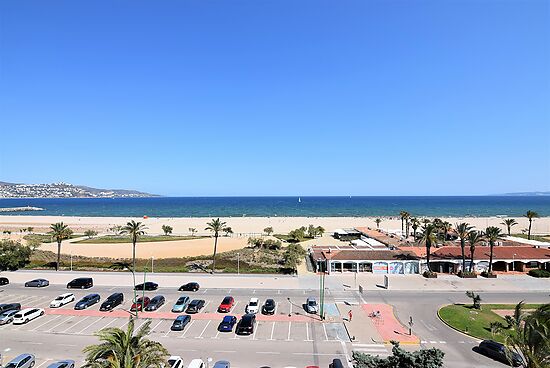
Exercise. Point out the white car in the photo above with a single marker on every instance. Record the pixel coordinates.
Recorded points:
(175, 361)
(61, 300)
(311, 305)
(197, 363)
(253, 306)
(26, 315)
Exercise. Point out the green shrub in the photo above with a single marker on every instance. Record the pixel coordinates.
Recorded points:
(539, 273)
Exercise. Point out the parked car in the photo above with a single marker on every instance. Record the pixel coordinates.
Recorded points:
(222, 364)
(10, 306)
(26, 315)
(87, 301)
(21, 361)
(180, 322)
(181, 304)
(311, 305)
(197, 363)
(175, 361)
(147, 286)
(227, 323)
(336, 363)
(269, 307)
(253, 306)
(498, 351)
(190, 286)
(81, 283)
(4, 281)
(61, 300)
(246, 324)
(195, 306)
(7, 316)
(140, 304)
(155, 303)
(112, 301)
(226, 304)
(62, 364)
(37, 283)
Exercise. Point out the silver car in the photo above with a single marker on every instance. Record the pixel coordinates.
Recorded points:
(21, 361)
(311, 305)
(7, 317)
(62, 364)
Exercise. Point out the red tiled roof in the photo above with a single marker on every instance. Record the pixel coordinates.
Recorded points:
(502, 252)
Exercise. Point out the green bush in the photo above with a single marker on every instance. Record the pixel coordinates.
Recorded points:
(539, 273)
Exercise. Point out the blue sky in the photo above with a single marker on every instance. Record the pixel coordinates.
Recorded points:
(277, 97)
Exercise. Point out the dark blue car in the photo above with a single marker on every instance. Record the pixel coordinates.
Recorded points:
(226, 325)
(180, 322)
(87, 301)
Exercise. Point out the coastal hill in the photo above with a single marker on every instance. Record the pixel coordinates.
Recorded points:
(64, 190)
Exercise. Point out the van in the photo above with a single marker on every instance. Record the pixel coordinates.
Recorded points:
(27, 315)
(81, 283)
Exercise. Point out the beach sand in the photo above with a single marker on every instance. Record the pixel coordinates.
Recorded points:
(243, 227)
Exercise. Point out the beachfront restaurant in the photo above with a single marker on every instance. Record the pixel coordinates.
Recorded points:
(505, 259)
(330, 260)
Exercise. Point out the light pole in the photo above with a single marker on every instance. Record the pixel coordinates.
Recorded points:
(71, 261)
(238, 263)
(514, 262)
(152, 264)
(321, 292)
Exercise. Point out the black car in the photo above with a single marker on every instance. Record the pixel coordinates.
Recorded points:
(155, 303)
(10, 306)
(147, 286)
(112, 301)
(269, 307)
(4, 281)
(497, 351)
(336, 363)
(37, 283)
(180, 322)
(87, 301)
(81, 283)
(190, 286)
(246, 325)
(195, 306)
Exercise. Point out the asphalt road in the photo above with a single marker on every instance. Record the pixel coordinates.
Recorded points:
(299, 340)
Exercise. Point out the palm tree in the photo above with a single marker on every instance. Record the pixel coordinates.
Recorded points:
(124, 349)
(378, 221)
(445, 228)
(215, 226)
(428, 237)
(529, 335)
(463, 229)
(474, 237)
(403, 215)
(492, 233)
(134, 230)
(509, 223)
(407, 219)
(531, 215)
(59, 232)
(415, 224)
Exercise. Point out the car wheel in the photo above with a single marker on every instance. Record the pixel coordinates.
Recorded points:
(42, 313)
(32, 364)
(26, 321)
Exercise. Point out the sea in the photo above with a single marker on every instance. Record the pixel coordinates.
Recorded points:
(344, 206)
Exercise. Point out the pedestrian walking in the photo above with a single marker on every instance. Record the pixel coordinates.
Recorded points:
(350, 315)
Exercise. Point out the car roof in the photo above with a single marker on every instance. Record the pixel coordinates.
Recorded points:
(228, 318)
(8, 312)
(64, 295)
(254, 300)
(27, 310)
(20, 357)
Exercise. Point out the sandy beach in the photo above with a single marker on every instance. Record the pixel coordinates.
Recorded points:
(243, 228)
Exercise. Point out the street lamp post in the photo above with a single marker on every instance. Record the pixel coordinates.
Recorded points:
(321, 293)
(238, 263)
(514, 262)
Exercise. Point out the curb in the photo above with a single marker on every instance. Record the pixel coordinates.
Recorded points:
(453, 328)
(417, 342)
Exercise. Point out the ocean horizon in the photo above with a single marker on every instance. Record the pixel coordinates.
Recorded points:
(288, 206)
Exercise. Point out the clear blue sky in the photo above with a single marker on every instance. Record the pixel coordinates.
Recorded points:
(277, 97)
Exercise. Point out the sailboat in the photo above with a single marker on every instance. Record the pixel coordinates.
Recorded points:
(299, 200)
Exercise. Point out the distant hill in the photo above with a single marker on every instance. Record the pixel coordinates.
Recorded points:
(64, 190)
(526, 194)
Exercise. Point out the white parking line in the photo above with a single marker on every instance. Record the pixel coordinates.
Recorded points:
(77, 323)
(108, 323)
(272, 329)
(153, 328)
(186, 329)
(41, 364)
(203, 310)
(254, 291)
(229, 291)
(204, 291)
(60, 323)
(288, 337)
(91, 324)
(255, 330)
(43, 324)
(325, 329)
(307, 332)
(278, 291)
(204, 329)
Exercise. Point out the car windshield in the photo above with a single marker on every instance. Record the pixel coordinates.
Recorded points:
(227, 319)
(11, 365)
(171, 362)
(269, 302)
(226, 300)
(312, 302)
(253, 303)
(60, 298)
(180, 301)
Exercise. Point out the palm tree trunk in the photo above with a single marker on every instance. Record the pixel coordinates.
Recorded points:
(529, 233)
(471, 259)
(214, 257)
(509, 229)
(462, 245)
(58, 255)
(491, 257)
(428, 248)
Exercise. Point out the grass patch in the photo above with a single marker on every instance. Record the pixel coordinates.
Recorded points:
(475, 322)
(46, 238)
(542, 238)
(116, 239)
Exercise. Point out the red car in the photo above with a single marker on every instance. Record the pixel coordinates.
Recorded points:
(140, 304)
(226, 304)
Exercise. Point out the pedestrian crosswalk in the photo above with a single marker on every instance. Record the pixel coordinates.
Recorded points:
(372, 349)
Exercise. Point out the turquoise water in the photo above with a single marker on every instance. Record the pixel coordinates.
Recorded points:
(285, 206)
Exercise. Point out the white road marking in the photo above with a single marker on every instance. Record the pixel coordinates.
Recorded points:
(268, 352)
(278, 291)
(43, 324)
(307, 332)
(69, 345)
(204, 291)
(203, 310)
(91, 324)
(288, 336)
(224, 351)
(186, 329)
(255, 330)
(204, 329)
(423, 342)
(433, 342)
(325, 329)
(77, 323)
(60, 323)
(254, 291)
(272, 329)
(108, 324)
(443, 342)
(153, 328)
(41, 364)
